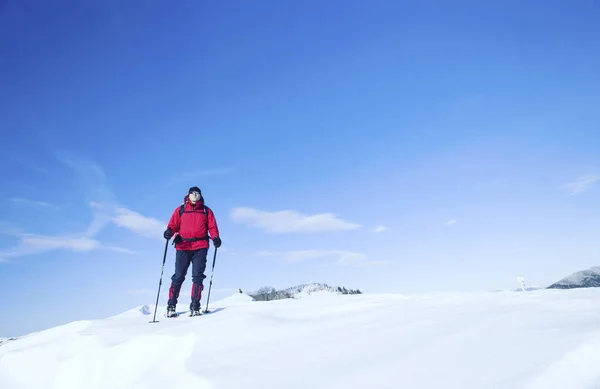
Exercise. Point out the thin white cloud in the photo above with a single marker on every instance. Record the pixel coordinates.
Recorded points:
(450, 222)
(36, 244)
(341, 257)
(38, 204)
(103, 202)
(285, 222)
(582, 184)
(139, 224)
(46, 243)
(380, 229)
(104, 212)
(119, 250)
(28, 163)
(126, 218)
(95, 189)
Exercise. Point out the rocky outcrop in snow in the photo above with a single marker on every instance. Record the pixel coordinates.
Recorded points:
(582, 279)
(4, 340)
(269, 293)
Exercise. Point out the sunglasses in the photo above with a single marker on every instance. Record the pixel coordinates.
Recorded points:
(195, 194)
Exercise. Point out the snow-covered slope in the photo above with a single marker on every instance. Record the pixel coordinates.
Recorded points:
(582, 279)
(544, 339)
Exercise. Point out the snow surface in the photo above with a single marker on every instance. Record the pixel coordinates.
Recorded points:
(528, 288)
(542, 339)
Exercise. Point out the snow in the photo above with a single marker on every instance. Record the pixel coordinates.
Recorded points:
(528, 288)
(518, 340)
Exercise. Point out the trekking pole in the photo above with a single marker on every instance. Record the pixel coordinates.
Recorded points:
(211, 278)
(160, 282)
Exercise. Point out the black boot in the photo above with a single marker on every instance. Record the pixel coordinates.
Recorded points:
(195, 308)
(171, 311)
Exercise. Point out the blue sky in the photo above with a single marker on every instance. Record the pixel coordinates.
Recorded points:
(387, 146)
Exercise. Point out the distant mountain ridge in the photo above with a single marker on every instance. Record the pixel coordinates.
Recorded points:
(589, 278)
(268, 293)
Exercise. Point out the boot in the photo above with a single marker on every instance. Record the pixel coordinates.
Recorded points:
(195, 308)
(171, 311)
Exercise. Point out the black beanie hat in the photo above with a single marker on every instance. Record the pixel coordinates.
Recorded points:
(194, 189)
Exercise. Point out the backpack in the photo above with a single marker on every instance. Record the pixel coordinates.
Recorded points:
(182, 208)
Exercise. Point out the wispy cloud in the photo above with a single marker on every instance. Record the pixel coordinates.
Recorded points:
(33, 203)
(139, 224)
(135, 222)
(120, 250)
(104, 209)
(380, 229)
(96, 190)
(102, 200)
(29, 164)
(37, 244)
(582, 184)
(450, 222)
(45, 243)
(285, 222)
(91, 177)
(341, 257)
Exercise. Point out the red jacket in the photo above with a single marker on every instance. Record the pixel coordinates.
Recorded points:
(194, 224)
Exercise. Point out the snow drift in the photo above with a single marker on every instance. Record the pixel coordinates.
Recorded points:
(541, 339)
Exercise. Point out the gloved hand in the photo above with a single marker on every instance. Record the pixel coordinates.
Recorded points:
(217, 242)
(168, 234)
(178, 239)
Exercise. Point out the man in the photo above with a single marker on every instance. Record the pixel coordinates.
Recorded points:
(191, 223)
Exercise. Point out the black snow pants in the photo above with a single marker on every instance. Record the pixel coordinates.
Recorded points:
(183, 259)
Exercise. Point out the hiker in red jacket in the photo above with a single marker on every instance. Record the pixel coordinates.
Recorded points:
(191, 224)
